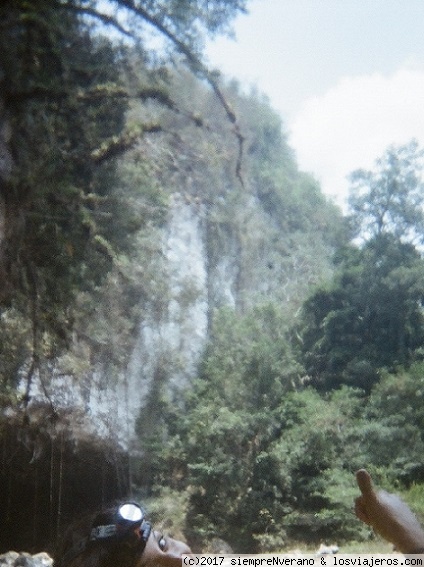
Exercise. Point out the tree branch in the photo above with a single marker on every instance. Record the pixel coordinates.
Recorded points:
(194, 62)
(99, 92)
(199, 68)
(107, 20)
(119, 145)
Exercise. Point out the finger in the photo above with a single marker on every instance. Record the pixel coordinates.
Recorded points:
(363, 478)
(361, 512)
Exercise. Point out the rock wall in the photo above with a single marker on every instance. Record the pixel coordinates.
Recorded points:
(210, 257)
(170, 339)
(5, 172)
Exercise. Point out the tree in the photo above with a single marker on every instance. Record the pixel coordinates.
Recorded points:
(219, 451)
(56, 199)
(390, 199)
(371, 317)
(66, 90)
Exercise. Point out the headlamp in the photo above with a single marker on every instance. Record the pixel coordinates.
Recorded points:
(127, 516)
(122, 523)
(131, 512)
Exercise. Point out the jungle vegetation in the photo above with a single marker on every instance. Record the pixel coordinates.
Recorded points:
(297, 387)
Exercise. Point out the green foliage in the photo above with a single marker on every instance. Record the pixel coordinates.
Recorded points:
(263, 477)
(263, 459)
(390, 199)
(262, 471)
(249, 360)
(336, 517)
(187, 16)
(56, 201)
(73, 217)
(370, 318)
(247, 453)
(14, 348)
(167, 510)
(217, 450)
(414, 496)
(329, 438)
(395, 435)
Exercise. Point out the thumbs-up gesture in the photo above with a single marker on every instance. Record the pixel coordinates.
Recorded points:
(388, 515)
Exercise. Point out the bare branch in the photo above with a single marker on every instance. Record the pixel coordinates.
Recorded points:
(199, 68)
(119, 145)
(107, 20)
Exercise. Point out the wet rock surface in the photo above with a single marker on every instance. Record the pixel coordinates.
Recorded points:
(23, 559)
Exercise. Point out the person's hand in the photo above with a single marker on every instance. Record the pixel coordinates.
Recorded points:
(388, 515)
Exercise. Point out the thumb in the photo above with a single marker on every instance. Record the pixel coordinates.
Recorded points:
(363, 478)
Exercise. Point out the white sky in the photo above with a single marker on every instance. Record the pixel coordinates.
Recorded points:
(346, 76)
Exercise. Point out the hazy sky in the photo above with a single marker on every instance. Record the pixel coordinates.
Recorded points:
(346, 76)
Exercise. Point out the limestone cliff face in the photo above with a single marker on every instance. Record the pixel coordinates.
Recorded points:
(200, 272)
(210, 257)
(170, 340)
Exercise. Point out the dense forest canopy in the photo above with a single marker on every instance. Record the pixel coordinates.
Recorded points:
(312, 370)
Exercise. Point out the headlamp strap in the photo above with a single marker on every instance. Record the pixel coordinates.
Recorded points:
(103, 532)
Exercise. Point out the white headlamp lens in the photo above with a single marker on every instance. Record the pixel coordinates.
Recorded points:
(131, 512)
